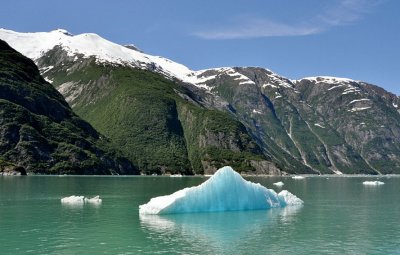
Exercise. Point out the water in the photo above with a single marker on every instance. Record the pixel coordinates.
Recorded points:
(340, 215)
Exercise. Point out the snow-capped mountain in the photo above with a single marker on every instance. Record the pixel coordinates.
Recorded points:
(36, 45)
(312, 125)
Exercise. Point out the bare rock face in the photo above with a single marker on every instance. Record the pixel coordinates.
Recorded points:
(314, 125)
(10, 169)
(265, 168)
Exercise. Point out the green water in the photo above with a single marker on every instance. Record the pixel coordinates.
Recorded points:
(340, 216)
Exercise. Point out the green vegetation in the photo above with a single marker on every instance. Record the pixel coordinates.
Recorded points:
(144, 116)
(39, 131)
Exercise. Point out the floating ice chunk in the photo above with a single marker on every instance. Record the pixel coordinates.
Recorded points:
(226, 190)
(298, 177)
(175, 175)
(279, 184)
(80, 200)
(93, 200)
(373, 183)
(73, 200)
(289, 199)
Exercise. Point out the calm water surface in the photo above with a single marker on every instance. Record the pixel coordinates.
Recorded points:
(340, 216)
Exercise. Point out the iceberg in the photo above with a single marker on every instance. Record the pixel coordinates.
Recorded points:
(226, 190)
(298, 177)
(373, 183)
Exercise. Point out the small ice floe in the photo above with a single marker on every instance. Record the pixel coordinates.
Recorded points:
(279, 184)
(175, 175)
(298, 177)
(73, 200)
(373, 183)
(80, 200)
(93, 200)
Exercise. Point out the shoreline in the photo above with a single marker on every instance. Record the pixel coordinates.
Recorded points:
(207, 176)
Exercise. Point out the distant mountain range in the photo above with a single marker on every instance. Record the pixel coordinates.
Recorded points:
(164, 117)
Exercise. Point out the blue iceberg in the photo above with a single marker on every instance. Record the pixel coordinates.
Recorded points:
(226, 190)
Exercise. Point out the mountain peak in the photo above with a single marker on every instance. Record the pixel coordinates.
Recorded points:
(36, 45)
(133, 47)
(62, 31)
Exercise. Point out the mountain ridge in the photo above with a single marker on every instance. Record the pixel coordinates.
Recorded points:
(114, 53)
(295, 129)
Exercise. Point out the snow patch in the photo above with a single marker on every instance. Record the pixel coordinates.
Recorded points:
(280, 81)
(269, 85)
(357, 109)
(350, 89)
(327, 79)
(359, 100)
(337, 86)
(46, 69)
(247, 83)
(226, 190)
(48, 79)
(277, 95)
(319, 125)
(257, 111)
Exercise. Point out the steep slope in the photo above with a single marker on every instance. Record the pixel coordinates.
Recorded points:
(38, 130)
(367, 117)
(156, 122)
(331, 125)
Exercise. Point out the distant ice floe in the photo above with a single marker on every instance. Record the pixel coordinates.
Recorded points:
(373, 183)
(176, 175)
(226, 190)
(298, 177)
(279, 184)
(80, 200)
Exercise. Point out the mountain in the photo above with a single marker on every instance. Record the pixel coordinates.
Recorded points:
(159, 124)
(329, 124)
(200, 118)
(39, 133)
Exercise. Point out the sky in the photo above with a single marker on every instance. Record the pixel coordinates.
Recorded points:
(357, 39)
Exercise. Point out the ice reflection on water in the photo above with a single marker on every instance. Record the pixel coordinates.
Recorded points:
(217, 231)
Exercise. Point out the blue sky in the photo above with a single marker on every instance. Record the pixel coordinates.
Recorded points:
(357, 39)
